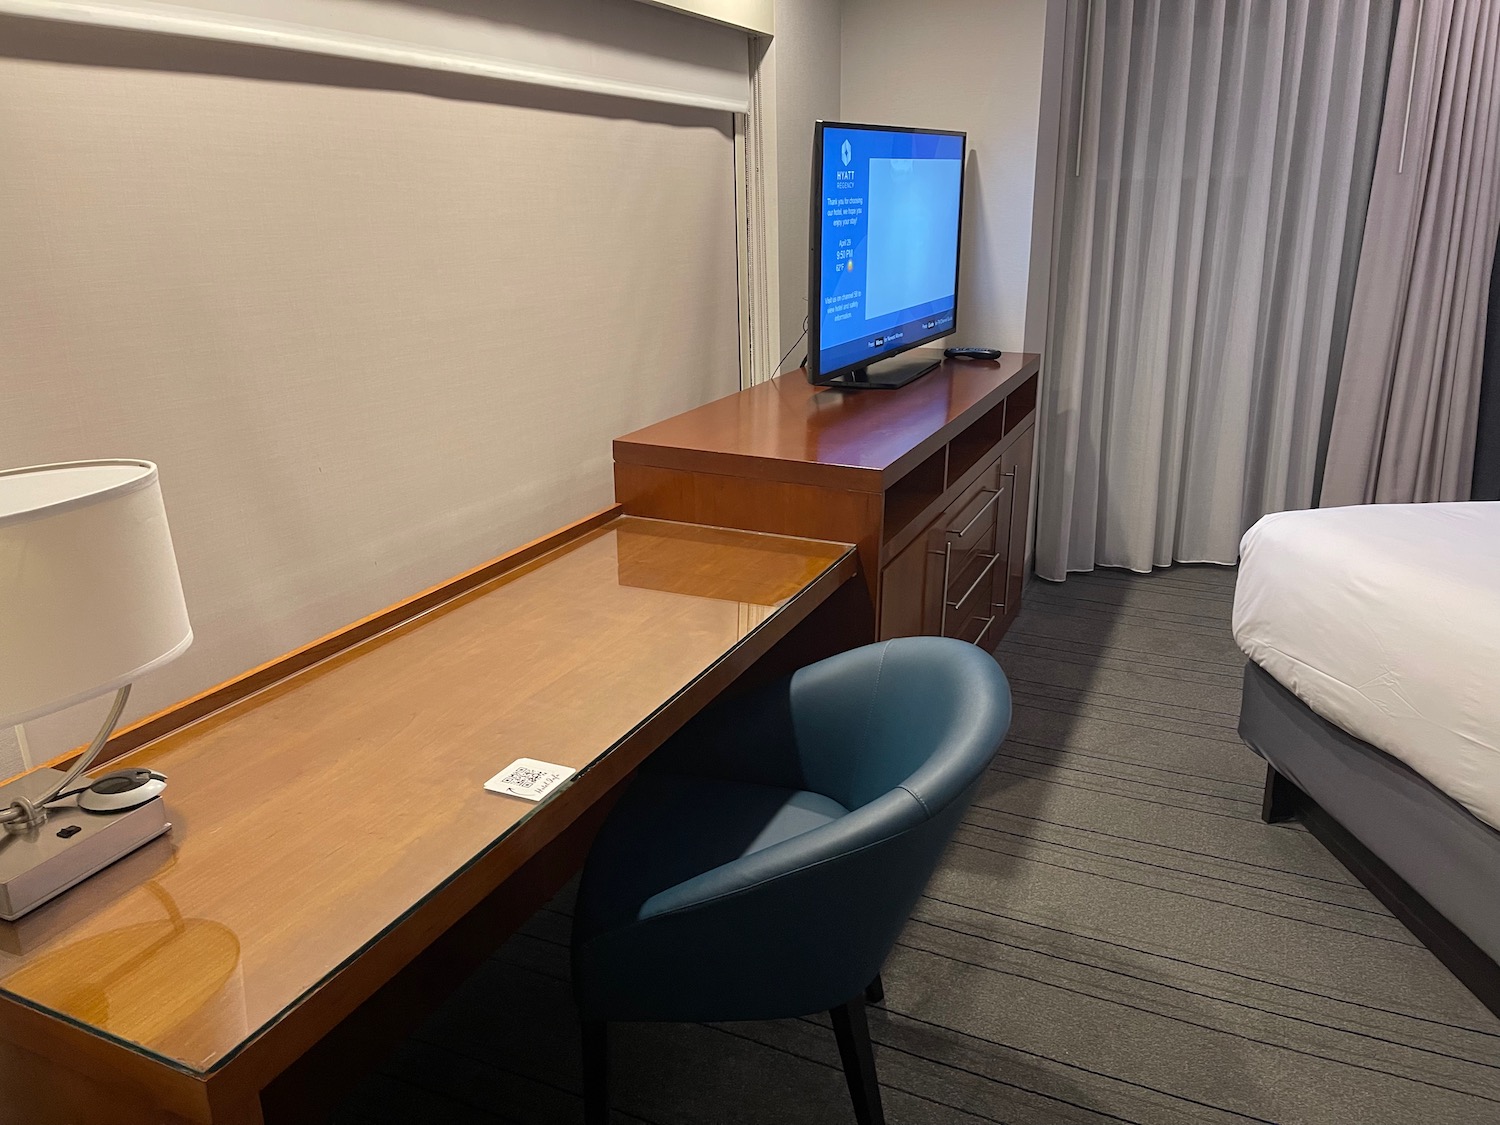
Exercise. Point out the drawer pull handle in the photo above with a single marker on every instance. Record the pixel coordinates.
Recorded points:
(995, 494)
(989, 566)
(947, 565)
(985, 630)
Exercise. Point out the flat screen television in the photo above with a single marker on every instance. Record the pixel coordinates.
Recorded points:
(883, 267)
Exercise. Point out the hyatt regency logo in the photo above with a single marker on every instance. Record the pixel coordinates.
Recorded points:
(847, 153)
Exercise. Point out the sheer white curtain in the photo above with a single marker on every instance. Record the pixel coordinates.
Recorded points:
(1216, 164)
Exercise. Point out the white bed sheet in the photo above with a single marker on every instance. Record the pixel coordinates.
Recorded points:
(1385, 620)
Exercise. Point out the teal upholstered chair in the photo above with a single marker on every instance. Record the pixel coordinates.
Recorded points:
(763, 863)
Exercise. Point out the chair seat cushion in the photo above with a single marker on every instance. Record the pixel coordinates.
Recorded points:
(669, 828)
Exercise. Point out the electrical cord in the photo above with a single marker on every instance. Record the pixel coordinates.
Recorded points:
(793, 348)
(33, 812)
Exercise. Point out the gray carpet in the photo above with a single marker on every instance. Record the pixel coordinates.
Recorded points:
(1114, 937)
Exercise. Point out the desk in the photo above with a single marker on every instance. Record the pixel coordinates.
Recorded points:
(330, 820)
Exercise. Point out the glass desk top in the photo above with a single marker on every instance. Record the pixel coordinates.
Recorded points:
(312, 816)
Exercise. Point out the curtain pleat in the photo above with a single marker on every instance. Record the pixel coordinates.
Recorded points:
(1198, 257)
(1487, 441)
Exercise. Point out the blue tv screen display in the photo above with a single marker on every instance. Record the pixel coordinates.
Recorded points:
(885, 269)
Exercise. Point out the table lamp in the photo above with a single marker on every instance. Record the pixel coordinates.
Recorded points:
(90, 600)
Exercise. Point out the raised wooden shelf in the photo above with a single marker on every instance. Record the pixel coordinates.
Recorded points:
(900, 473)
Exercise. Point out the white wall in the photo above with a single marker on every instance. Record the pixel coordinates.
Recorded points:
(975, 65)
(807, 66)
(323, 297)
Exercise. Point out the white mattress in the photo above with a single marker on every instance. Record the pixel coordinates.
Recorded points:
(1385, 620)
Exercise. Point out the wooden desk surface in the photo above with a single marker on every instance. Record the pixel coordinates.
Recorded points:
(786, 429)
(315, 816)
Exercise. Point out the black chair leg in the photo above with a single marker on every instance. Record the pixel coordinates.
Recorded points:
(853, 1034)
(875, 991)
(595, 1072)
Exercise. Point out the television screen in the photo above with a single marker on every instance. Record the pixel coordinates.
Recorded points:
(884, 269)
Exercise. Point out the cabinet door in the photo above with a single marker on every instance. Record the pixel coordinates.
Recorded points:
(967, 560)
(1015, 464)
(953, 580)
(906, 608)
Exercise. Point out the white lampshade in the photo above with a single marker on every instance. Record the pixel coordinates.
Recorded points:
(90, 598)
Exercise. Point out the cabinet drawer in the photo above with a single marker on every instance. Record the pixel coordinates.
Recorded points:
(1016, 464)
(974, 520)
(979, 629)
(971, 590)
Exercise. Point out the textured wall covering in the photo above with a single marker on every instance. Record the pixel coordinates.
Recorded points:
(974, 65)
(372, 335)
(806, 58)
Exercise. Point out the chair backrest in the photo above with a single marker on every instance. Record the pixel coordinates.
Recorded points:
(921, 713)
(900, 733)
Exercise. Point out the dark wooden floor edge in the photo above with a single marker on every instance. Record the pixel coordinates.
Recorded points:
(1474, 968)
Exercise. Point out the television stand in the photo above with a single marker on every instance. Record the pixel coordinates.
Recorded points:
(886, 375)
(933, 482)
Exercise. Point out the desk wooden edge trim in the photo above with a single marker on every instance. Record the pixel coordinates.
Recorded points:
(281, 1042)
(855, 478)
(196, 707)
(107, 1062)
(637, 489)
(632, 450)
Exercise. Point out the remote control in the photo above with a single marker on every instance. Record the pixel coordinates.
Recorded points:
(972, 353)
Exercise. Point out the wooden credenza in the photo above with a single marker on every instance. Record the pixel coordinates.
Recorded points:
(932, 481)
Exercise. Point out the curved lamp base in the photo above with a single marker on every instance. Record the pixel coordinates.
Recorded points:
(38, 864)
(25, 813)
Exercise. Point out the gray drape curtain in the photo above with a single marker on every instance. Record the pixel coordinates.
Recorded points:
(1215, 163)
(1487, 440)
(1409, 396)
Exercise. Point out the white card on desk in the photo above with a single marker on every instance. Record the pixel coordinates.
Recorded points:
(529, 778)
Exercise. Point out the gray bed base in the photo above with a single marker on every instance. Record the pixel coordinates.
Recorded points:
(1433, 863)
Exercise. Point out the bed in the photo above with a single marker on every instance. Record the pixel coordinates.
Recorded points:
(1373, 693)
